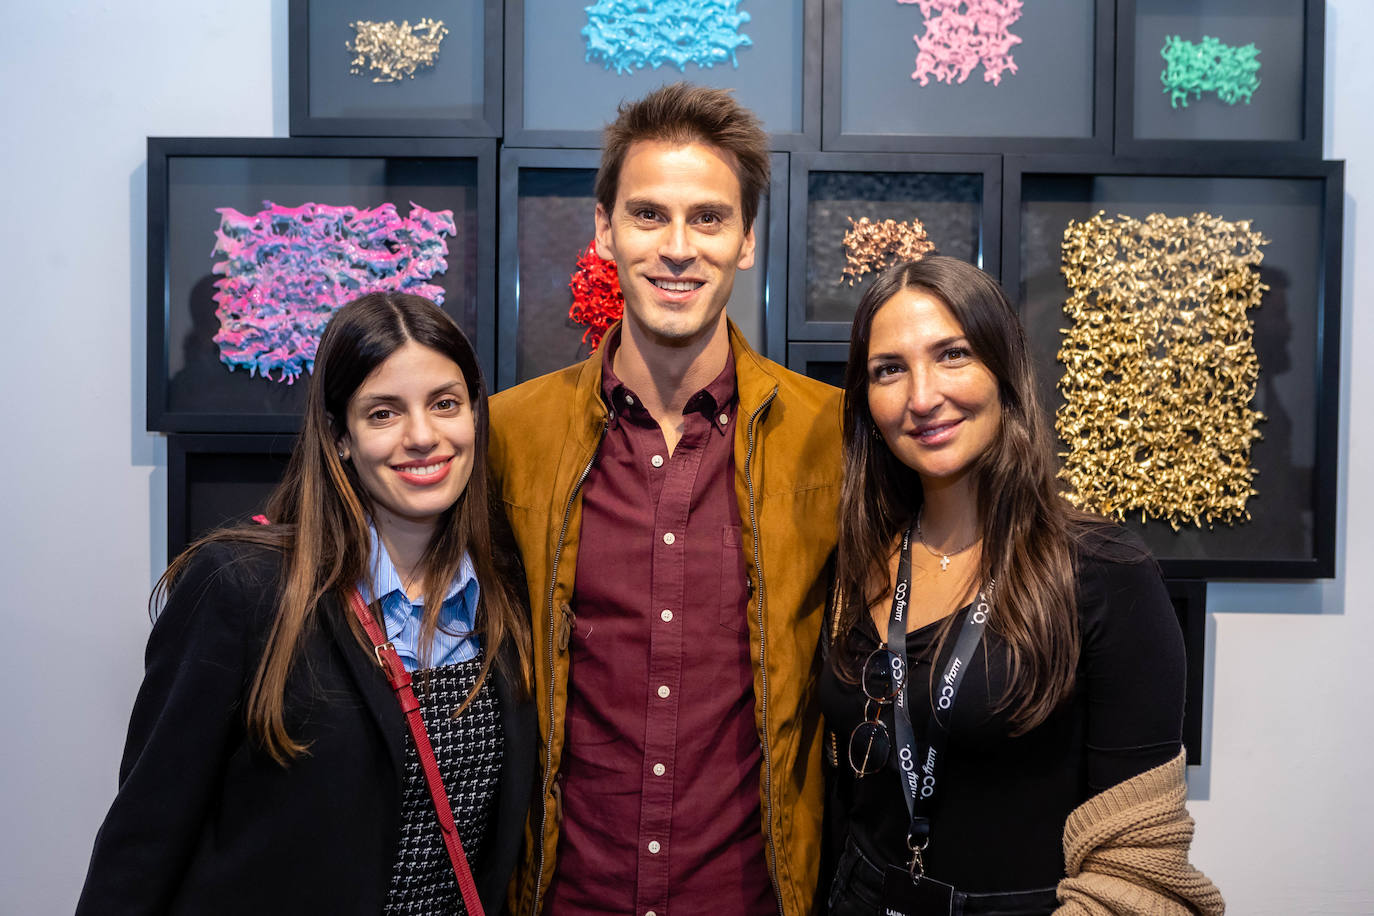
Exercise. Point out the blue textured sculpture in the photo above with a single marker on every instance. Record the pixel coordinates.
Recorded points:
(630, 35)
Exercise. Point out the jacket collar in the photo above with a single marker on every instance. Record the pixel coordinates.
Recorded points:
(754, 376)
(380, 699)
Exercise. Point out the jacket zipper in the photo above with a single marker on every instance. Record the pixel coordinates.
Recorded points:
(763, 658)
(553, 585)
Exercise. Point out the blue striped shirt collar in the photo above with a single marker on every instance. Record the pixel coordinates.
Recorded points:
(454, 641)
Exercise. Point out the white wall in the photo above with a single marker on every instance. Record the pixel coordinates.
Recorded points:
(1283, 804)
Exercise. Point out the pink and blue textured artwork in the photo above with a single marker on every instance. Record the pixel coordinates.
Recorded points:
(286, 270)
(629, 35)
(962, 34)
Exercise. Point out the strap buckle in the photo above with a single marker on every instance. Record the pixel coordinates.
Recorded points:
(378, 650)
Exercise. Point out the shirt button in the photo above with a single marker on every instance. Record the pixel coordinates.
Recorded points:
(667, 616)
(668, 538)
(724, 419)
(664, 691)
(659, 769)
(656, 461)
(651, 913)
(654, 847)
(629, 399)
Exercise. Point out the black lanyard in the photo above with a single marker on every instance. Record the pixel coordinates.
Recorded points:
(920, 775)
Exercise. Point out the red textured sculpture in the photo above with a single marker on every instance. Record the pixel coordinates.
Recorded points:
(597, 300)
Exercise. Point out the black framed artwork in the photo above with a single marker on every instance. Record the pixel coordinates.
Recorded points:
(1279, 357)
(219, 479)
(822, 360)
(1189, 597)
(1238, 78)
(548, 206)
(253, 243)
(900, 79)
(569, 65)
(408, 68)
(956, 199)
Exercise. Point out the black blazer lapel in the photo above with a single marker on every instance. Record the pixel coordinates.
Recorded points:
(372, 685)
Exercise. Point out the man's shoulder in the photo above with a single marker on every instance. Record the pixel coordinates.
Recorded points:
(535, 388)
(548, 394)
(804, 399)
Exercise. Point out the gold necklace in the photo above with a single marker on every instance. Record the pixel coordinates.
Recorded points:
(944, 557)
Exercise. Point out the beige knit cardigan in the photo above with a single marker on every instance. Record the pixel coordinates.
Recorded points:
(1126, 851)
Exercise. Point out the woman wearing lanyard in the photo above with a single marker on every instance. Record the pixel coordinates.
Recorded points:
(269, 766)
(1005, 676)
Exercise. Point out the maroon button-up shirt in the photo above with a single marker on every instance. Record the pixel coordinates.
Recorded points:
(660, 778)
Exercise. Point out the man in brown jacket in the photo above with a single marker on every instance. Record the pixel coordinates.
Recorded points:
(674, 498)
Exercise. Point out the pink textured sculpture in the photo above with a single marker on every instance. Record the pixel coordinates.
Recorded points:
(961, 34)
(288, 269)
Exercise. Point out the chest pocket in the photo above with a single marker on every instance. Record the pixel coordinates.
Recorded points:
(734, 581)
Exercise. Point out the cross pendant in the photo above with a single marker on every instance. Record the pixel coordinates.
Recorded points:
(944, 562)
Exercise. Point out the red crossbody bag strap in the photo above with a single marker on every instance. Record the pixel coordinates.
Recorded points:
(399, 679)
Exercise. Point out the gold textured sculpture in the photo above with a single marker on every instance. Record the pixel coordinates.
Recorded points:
(394, 50)
(872, 245)
(1160, 367)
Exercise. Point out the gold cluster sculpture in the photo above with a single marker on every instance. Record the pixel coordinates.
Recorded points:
(871, 245)
(1160, 367)
(394, 51)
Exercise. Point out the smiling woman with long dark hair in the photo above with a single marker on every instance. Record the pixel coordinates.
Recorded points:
(1005, 673)
(268, 767)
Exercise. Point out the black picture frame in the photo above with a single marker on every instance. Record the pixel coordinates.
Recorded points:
(188, 389)
(822, 360)
(1297, 204)
(1284, 117)
(558, 185)
(1189, 597)
(432, 104)
(960, 197)
(969, 117)
(588, 89)
(219, 478)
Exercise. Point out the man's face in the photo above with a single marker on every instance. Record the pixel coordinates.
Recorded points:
(677, 236)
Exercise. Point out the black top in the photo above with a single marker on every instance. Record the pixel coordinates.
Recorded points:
(999, 819)
(206, 823)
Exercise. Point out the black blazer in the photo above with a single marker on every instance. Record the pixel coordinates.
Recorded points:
(204, 822)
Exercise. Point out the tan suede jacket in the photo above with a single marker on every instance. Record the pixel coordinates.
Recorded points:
(544, 438)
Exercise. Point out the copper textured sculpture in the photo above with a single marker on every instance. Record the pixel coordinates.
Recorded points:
(1160, 367)
(871, 245)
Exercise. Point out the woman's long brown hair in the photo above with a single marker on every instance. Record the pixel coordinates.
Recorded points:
(320, 515)
(1028, 529)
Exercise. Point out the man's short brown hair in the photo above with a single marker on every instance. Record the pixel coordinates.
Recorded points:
(683, 113)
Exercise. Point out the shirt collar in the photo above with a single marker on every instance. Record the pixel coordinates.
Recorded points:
(385, 585)
(716, 401)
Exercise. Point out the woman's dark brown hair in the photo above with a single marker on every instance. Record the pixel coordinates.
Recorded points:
(1028, 529)
(320, 513)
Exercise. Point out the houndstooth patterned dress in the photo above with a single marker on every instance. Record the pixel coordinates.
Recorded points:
(468, 750)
